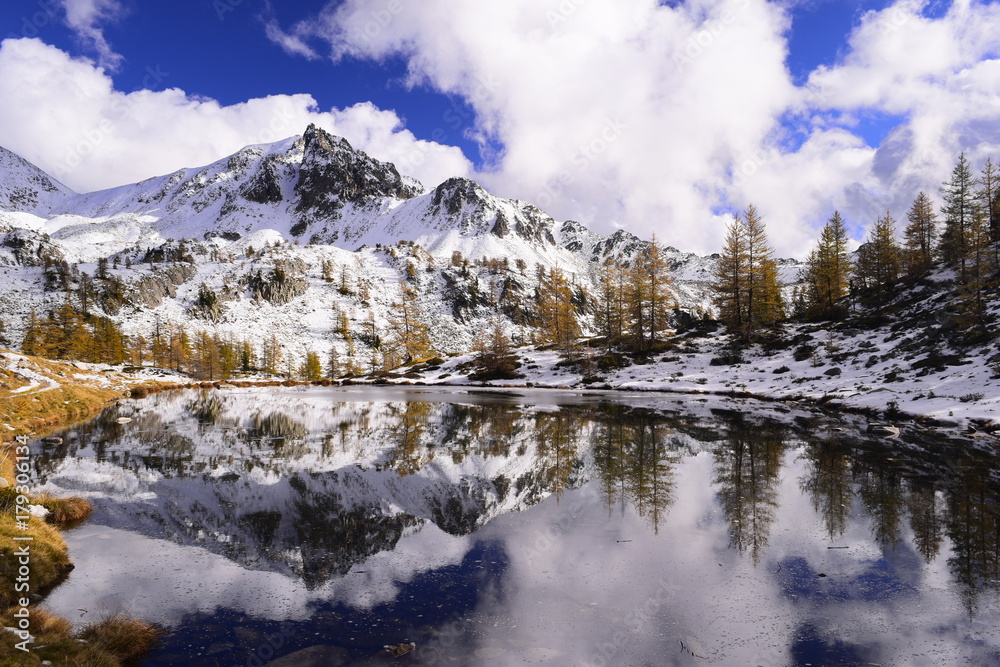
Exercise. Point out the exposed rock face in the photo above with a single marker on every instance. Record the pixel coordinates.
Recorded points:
(151, 291)
(27, 248)
(333, 173)
(265, 186)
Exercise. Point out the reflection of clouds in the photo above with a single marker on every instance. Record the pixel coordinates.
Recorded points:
(583, 582)
(161, 581)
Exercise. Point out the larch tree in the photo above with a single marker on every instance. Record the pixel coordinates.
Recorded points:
(649, 297)
(920, 236)
(494, 358)
(747, 291)
(988, 198)
(730, 276)
(959, 203)
(764, 307)
(312, 367)
(410, 335)
(34, 336)
(556, 317)
(980, 264)
(827, 271)
(879, 262)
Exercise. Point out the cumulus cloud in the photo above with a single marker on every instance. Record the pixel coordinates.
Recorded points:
(85, 17)
(66, 116)
(662, 117)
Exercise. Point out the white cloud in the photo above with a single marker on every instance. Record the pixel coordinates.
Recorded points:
(698, 98)
(65, 116)
(617, 113)
(84, 18)
(291, 43)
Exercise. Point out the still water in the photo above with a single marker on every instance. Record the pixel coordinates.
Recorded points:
(294, 527)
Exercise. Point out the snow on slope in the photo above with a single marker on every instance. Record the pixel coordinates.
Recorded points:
(27, 189)
(307, 201)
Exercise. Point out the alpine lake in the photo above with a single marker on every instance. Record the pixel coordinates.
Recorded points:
(294, 527)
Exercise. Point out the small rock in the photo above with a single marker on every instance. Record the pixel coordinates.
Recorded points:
(52, 441)
(400, 649)
(832, 372)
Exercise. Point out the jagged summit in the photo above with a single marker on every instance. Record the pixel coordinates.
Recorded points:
(315, 220)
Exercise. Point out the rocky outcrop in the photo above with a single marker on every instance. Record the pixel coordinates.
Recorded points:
(333, 174)
(151, 291)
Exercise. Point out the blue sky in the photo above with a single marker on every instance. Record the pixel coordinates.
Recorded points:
(218, 49)
(656, 117)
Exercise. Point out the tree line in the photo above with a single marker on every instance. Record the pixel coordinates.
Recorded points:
(626, 308)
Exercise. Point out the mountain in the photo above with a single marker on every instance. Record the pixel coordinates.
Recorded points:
(344, 227)
(24, 188)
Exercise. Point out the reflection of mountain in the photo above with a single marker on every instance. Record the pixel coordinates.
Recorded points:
(287, 487)
(303, 482)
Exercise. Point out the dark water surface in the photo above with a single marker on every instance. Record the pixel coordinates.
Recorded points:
(300, 527)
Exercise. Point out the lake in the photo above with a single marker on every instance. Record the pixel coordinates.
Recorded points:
(315, 526)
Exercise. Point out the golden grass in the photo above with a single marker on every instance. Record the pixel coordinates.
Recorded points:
(49, 557)
(65, 512)
(125, 638)
(112, 642)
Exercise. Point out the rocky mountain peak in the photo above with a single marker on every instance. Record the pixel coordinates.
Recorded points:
(334, 174)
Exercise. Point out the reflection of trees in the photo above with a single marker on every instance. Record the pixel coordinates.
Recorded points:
(633, 462)
(276, 429)
(972, 526)
(881, 494)
(829, 483)
(746, 470)
(409, 453)
(925, 518)
(556, 436)
(208, 407)
(494, 426)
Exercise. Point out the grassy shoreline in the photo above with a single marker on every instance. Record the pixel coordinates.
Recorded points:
(29, 409)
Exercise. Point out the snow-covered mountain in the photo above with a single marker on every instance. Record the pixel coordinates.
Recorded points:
(349, 227)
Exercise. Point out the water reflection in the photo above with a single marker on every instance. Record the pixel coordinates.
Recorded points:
(510, 527)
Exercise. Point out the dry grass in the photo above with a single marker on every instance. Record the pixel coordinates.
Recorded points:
(113, 642)
(125, 638)
(49, 558)
(65, 512)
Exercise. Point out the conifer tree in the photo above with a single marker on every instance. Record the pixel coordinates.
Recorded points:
(879, 261)
(494, 358)
(730, 276)
(920, 236)
(959, 203)
(827, 271)
(556, 319)
(980, 264)
(271, 356)
(648, 296)
(312, 367)
(746, 286)
(988, 197)
(610, 314)
(34, 336)
(333, 368)
(410, 335)
(247, 360)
